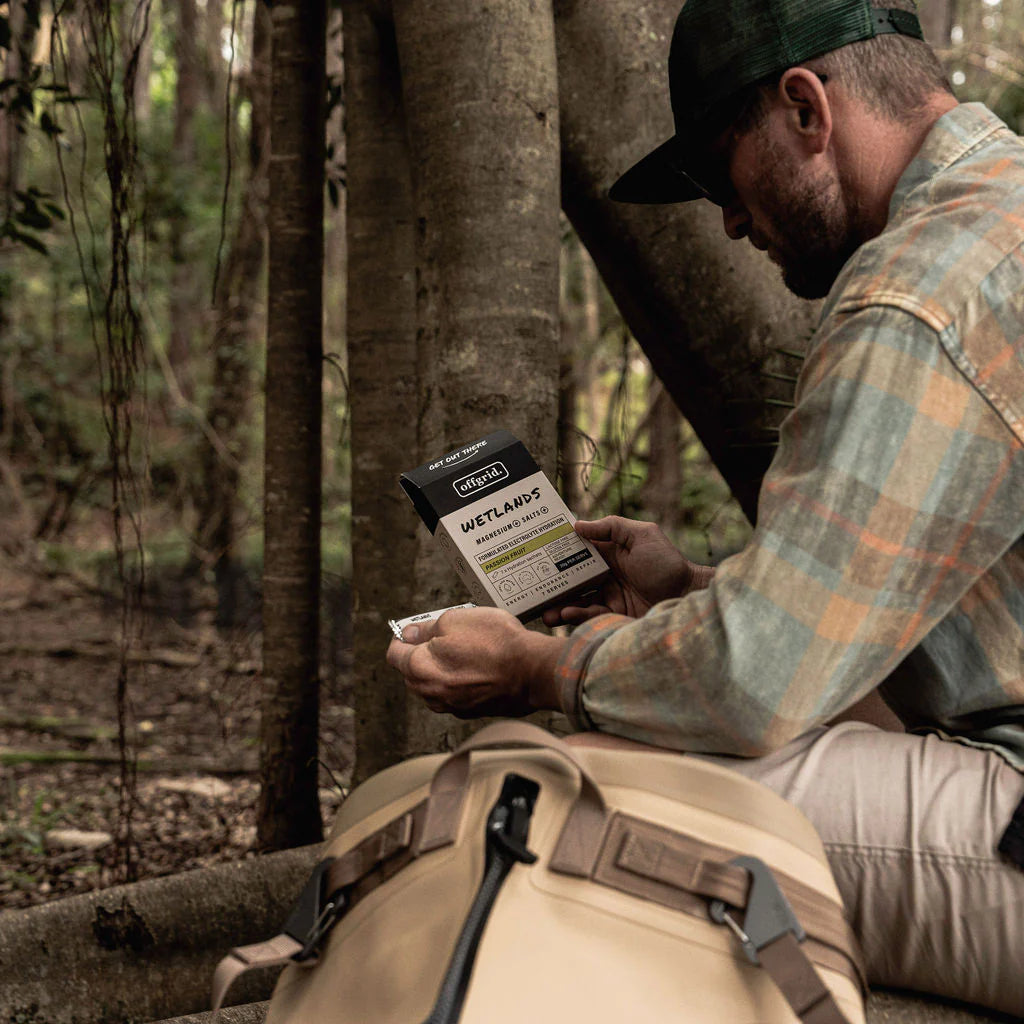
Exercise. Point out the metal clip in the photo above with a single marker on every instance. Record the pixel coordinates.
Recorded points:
(768, 915)
(313, 915)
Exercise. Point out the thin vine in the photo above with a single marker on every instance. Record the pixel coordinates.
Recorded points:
(226, 195)
(114, 36)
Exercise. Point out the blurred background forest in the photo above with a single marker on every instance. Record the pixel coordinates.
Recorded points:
(192, 116)
(192, 120)
(131, 144)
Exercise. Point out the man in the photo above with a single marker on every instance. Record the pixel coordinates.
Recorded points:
(889, 546)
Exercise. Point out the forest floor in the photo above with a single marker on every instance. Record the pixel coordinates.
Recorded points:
(193, 694)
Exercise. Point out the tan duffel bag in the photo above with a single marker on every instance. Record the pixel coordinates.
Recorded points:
(533, 881)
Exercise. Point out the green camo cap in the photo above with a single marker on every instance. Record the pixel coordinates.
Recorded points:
(719, 47)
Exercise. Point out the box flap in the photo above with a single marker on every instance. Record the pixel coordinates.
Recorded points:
(465, 474)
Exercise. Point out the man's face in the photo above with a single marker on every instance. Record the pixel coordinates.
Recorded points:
(790, 209)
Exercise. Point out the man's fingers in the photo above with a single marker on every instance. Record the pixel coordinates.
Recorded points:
(411, 653)
(552, 617)
(573, 615)
(414, 638)
(595, 529)
(421, 632)
(614, 530)
(567, 616)
(399, 654)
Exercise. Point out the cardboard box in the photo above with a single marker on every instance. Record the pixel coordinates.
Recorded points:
(504, 527)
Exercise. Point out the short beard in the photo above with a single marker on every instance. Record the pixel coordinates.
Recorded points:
(816, 235)
(811, 272)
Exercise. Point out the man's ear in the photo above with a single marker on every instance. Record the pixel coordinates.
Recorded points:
(807, 108)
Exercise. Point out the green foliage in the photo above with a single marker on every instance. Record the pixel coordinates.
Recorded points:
(32, 212)
(50, 810)
(28, 212)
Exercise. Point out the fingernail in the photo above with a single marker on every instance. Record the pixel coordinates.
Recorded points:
(411, 634)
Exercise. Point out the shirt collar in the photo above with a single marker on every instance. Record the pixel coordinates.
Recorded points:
(951, 138)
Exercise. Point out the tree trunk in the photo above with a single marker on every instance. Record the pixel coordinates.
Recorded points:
(237, 299)
(708, 314)
(145, 951)
(250, 1013)
(487, 297)
(288, 813)
(382, 375)
(16, 67)
(481, 101)
(214, 71)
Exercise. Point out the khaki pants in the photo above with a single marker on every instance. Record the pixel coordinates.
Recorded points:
(910, 825)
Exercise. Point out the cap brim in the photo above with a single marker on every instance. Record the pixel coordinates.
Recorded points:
(657, 179)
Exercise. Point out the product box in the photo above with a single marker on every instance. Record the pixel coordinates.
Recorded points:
(504, 527)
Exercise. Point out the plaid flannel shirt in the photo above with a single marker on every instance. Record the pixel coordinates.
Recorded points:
(889, 546)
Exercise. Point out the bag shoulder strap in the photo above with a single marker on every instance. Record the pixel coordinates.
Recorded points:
(791, 969)
(660, 864)
(681, 872)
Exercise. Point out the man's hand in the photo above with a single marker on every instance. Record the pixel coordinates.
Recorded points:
(646, 568)
(478, 661)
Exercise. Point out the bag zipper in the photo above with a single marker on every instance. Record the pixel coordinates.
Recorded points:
(508, 826)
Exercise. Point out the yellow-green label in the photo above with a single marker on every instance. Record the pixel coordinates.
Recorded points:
(524, 549)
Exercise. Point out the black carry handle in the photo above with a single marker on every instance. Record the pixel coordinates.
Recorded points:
(507, 830)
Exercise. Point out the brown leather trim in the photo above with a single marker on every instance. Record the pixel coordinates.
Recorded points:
(791, 969)
(642, 879)
(652, 853)
(678, 871)
(394, 838)
(379, 857)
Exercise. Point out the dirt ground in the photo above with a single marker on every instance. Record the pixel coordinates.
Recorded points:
(193, 726)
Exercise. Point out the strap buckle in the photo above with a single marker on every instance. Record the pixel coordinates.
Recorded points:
(314, 912)
(768, 915)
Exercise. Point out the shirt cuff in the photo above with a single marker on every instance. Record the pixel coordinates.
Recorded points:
(572, 664)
